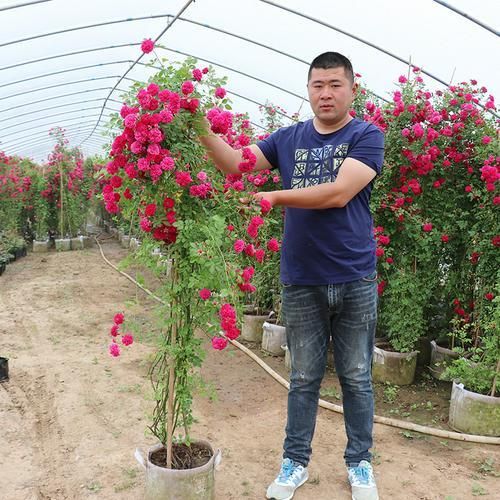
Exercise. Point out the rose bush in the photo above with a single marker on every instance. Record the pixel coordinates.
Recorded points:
(436, 211)
(193, 224)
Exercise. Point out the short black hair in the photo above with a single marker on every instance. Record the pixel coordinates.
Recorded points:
(329, 60)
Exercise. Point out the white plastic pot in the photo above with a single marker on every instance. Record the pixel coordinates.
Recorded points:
(474, 413)
(63, 244)
(273, 337)
(40, 246)
(251, 329)
(171, 484)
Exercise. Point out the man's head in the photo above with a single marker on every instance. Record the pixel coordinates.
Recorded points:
(330, 60)
(331, 88)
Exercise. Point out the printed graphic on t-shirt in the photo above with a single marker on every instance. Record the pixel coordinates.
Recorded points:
(317, 165)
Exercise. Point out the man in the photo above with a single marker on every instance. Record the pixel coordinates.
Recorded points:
(328, 262)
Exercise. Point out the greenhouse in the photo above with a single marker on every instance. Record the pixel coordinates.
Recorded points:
(249, 250)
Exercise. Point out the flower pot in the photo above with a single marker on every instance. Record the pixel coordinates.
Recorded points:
(77, 243)
(424, 352)
(134, 243)
(251, 329)
(273, 337)
(474, 413)
(40, 246)
(288, 359)
(20, 252)
(87, 241)
(172, 484)
(125, 241)
(63, 244)
(394, 367)
(4, 369)
(441, 357)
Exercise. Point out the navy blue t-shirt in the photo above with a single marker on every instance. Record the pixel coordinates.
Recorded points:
(333, 245)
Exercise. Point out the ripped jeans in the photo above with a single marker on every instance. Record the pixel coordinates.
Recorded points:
(347, 313)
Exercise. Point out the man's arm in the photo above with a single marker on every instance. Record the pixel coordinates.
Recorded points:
(226, 158)
(352, 178)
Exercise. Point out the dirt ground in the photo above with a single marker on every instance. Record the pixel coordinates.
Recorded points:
(71, 416)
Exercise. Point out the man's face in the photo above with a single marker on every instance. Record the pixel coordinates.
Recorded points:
(330, 94)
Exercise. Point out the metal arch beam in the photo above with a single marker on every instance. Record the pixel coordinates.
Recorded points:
(29, 136)
(64, 71)
(44, 125)
(56, 114)
(470, 18)
(41, 143)
(366, 42)
(229, 68)
(60, 97)
(47, 146)
(78, 28)
(166, 48)
(87, 123)
(74, 53)
(257, 102)
(157, 16)
(33, 137)
(24, 4)
(169, 25)
(74, 82)
(357, 38)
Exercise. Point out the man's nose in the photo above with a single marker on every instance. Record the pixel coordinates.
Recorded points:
(326, 93)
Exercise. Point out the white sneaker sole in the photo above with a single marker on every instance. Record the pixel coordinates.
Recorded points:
(291, 496)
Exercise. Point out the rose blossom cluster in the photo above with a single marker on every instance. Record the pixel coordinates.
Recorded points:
(227, 316)
(126, 338)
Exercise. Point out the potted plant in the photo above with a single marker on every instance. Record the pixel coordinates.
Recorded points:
(475, 396)
(434, 211)
(160, 176)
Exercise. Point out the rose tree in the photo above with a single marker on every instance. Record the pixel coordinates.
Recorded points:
(160, 177)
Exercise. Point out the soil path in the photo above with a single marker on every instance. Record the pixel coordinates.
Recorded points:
(71, 416)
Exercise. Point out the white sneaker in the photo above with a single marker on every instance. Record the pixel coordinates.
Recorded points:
(291, 476)
(362, 482)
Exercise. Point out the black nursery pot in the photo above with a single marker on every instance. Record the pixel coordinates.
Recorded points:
(4, 369)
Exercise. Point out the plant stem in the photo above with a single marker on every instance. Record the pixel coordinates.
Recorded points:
(171, 377)
(61, 228)
(494, 385)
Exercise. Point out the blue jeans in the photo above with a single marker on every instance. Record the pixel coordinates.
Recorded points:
(346, 313)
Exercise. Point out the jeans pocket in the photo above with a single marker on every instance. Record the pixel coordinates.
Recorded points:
(371, 278)
(286, 285)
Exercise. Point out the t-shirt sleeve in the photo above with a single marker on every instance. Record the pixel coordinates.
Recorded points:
(269, 148)
(369, 149)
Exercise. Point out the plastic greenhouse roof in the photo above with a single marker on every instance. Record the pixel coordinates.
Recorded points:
(66, 62)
